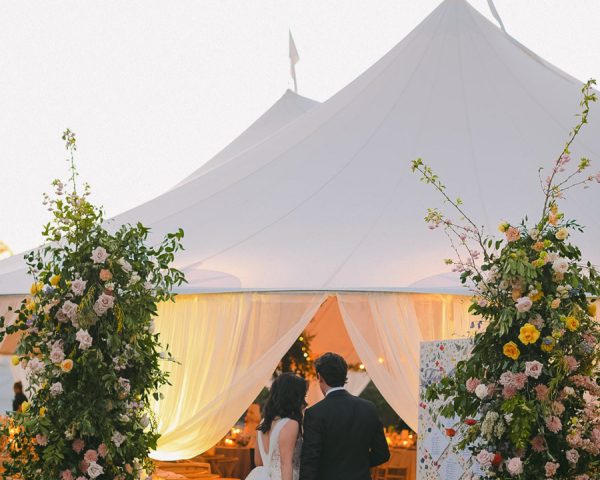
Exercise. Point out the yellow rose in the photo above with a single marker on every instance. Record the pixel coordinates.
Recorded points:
(66, 365)
(24, 406)
(511, 350)
(548, 344)
(30, 305)
(43, 411)
(529, 334)
(572, 323)
(555, 303)
(536, 297)
(591, 309)
(55, 280)
(562, 234)
(503, 227)
(36, 288)
(15, 360)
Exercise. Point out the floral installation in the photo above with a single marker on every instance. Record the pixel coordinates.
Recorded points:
(88, 345)
(528, 398)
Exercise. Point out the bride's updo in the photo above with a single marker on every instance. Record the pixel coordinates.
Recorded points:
(286, 400)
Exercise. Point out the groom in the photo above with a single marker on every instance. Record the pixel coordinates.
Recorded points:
(343, 436)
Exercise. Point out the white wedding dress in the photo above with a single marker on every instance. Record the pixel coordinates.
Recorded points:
(271, 467)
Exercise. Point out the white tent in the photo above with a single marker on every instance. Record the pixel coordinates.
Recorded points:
(326, 208)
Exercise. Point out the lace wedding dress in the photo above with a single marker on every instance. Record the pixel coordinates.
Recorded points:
(271, 468)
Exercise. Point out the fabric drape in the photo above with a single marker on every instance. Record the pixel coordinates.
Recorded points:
(385, 332)
(387, 329)
(228, 345)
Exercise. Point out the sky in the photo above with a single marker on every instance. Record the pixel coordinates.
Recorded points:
(153, 88)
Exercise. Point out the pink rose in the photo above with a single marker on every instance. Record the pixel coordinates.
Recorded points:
(514, 466)
(103, 304)
(572, 456)
(99, 255)
(523, 304)
(533, 369)
(105, 275)
(551, 468)
(78, 445)
(78, 286)
(472, 384)
(91, 456)
(41, 440)
(484, 458)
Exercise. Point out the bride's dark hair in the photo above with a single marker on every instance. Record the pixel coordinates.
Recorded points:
(286, 400)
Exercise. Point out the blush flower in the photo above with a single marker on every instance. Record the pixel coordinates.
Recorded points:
(78, 286)
(99, 255)
(533, 369)
(514, 466)
(84, 338)
(524, 304)
(554, 424)
(512, 234)
(471, 384)
(551, 468)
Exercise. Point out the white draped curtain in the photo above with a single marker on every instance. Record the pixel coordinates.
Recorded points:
(228, 345)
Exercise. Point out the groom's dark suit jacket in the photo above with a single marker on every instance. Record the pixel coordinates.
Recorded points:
(343, 439)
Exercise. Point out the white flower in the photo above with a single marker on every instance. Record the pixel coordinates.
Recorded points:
(94, 470)
(523, 304)
(56, 389)
(78, 286)
(34, 366)
(560, 265)
(124, 418)
(125, 265)
(533, 369)
(148, 285)
(162, 355)
(124, 385)
(568, 391)
(84, 338)
(481, 391)
(118, 438)
(103, 304)
(135, 278)
(99, 255)
(144, 421)
(56, 354)
(508, 418)
(69, 309)
(534, 233)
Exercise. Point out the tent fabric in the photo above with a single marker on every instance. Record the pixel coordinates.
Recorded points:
(329, 202)
(289, 107)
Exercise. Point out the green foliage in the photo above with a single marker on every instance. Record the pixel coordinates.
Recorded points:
(89, 349)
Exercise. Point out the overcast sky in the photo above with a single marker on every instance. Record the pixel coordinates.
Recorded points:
(155, 88)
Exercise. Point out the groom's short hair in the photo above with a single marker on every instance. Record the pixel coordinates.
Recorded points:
(333, 369)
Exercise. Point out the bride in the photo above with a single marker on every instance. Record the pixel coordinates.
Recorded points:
(279, 439)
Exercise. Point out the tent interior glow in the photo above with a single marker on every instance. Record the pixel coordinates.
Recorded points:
(313, 213)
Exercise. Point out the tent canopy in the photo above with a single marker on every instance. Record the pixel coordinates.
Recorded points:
(328, 202)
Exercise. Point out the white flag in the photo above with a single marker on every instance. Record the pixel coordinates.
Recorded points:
(294, 59)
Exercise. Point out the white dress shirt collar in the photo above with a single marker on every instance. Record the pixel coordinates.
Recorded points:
(335, 389)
